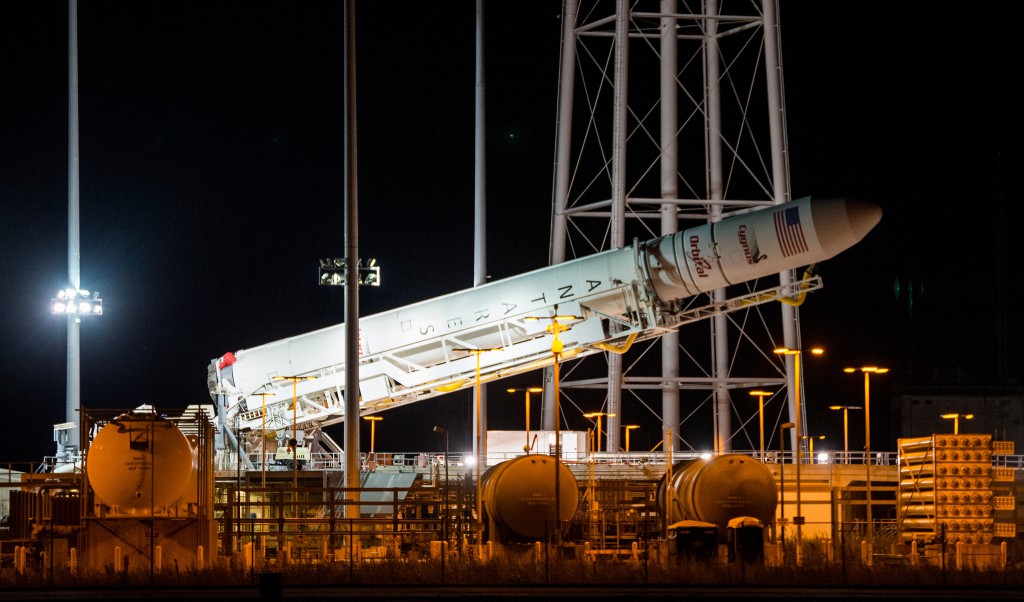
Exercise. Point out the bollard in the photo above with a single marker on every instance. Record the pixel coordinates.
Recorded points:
(158, 558)
(73, 562)
(199, 558)
(118, 559)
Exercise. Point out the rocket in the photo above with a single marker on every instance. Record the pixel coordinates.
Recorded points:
(616, 297)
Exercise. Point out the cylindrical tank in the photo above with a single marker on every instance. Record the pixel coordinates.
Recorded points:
(518, 497)
(140, 464)
(719, 489)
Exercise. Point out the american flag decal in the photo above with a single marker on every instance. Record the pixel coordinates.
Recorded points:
(790, 232)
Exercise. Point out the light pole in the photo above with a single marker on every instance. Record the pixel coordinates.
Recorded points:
(526, 448)
(628, 428)
(846, 428)
(598, 415)
(810, 445)
(956, 420)
(479, 441)
(798, 520)
(373, 420)
(782, 485)
(263, 437)
(868, 371)
(555, 328)
(74, 303)
(760, 414)
(295, 422)
(444, 525)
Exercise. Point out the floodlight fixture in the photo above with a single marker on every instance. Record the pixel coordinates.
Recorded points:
(76, 302)
(333, 272)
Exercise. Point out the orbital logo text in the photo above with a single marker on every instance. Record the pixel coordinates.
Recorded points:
(700, 265)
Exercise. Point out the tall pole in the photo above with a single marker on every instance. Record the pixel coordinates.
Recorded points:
(295, 424)
(867, 450)
(846, 433)
(263, 437)
(351, 268)
(598, 415)
(528, 390)
(373, 420)
(628, 428)
(479, 456)
(479, 442)
(799, 518)
(444, 516)
(556, 351)
(867, 447)
(846, 428)
(760, 415)
(480, 194)
(782, 485)
(72, 413)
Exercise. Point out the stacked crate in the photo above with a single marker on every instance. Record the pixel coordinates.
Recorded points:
(946, 489)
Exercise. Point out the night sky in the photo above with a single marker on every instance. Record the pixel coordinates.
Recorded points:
(212, 182)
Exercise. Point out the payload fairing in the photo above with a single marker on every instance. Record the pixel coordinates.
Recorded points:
(633, 293)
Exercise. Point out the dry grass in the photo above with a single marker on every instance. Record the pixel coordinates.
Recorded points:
(515, 570)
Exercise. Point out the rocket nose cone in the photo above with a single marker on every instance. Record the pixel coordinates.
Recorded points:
(842, 223)
(862, 217)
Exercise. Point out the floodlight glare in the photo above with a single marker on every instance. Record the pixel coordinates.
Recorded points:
(70, 301)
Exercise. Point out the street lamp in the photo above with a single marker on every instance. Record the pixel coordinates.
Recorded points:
(760, 414)
(846, 428)
(556, 328)
(956, 420)
(373, 435)
(782, 484)
(527, 447)
(810, 444)
(598, 415)
(868, 371)
(444, 526)
(295, 422)
(263, 435)
(628, 428)
(479, 442)
(798, 520)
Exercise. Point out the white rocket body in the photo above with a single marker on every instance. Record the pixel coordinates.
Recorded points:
(406, 354)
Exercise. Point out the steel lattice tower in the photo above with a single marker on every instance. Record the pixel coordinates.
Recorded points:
(672, 112)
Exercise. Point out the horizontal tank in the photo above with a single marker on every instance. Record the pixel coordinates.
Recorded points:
(140, 464)
(718, 490)
(519, 498)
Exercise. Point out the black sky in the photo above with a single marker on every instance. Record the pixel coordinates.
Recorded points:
(212, 181)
